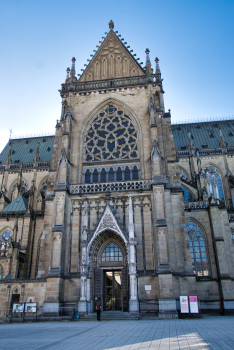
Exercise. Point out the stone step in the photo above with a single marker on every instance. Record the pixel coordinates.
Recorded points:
(109, 316)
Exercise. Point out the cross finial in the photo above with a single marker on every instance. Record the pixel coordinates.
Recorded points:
(11, 132)
(111, 25)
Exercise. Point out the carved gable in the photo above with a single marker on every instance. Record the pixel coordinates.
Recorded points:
(112, 60)
(108, 221)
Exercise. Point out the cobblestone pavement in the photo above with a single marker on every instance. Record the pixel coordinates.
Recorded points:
(207, 333)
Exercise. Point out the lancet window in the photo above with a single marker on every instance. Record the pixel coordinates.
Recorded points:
(197, 249)
(111, 174)
(232, 234)
(44, 188)
(216, 181)
(112, 253)
(111, 136)
(187, 196)
(5, 241)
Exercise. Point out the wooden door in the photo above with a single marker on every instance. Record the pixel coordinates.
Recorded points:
(97, 286)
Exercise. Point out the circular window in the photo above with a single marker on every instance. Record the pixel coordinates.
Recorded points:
(111, 136)
(7, 235)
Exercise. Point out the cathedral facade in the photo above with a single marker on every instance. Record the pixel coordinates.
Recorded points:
(119, 206)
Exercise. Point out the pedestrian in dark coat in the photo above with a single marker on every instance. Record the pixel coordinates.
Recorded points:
(98, 309)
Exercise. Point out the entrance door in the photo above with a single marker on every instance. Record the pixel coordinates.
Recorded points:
(113, 290)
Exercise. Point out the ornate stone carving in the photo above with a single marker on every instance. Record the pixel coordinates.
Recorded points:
(111, 136)
(57, 236)
(155, 150)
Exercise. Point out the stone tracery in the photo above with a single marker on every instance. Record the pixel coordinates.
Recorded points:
(111, 136)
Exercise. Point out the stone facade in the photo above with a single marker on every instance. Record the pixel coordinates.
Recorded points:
(111, 207)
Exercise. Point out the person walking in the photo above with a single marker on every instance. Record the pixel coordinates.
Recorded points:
(98, 309)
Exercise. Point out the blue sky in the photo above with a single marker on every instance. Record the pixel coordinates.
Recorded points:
(192, 38)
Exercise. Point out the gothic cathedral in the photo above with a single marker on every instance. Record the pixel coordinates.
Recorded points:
(119, 206)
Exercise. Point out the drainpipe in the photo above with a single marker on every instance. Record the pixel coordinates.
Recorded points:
(217, 265)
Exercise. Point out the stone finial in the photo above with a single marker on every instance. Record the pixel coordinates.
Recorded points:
(222, 141)
(9, 157)
(36, 158)
(68, 73)
(111, 25)
(147, 51)
(73, 70)
(148, 63)
(157, 66)
(191, 146)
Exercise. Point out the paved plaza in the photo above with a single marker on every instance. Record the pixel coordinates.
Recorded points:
(207, 333)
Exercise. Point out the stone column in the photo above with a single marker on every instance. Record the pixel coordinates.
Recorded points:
(133, 302)
(82, 304)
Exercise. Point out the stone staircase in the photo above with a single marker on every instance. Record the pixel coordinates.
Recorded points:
(110, 316)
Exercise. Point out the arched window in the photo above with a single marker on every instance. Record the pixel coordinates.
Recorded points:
(232, 234)
(95, 175)
(1, 272)
(112, 253)
(87, 176)
(187, 196)
(119, 174)
(111, 174)
(197, 249)
(127, 173)
(135, 174)
(111, 136)
(44, 188)
(219, 182)
(103, 175)
(5, 241)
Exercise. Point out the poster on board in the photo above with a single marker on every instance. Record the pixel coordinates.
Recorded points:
(18, 307)
(184, 307)
(30, 307)
(193, 303)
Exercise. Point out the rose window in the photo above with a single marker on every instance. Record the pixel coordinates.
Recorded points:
(111, 136)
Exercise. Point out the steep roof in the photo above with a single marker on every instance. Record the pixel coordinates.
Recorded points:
(204, 135)
(19, 204)
(23, 150)
(111, 45)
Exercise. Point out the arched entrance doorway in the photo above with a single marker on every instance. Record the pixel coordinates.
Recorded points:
(108, 264)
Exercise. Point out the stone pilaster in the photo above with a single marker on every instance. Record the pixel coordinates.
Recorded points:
(133, 302)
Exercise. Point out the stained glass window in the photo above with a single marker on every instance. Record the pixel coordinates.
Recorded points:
(5, 241)
(197, 249)
(218, 177)
(187, 196)
(1, 272)
(232, 234)
(112, 253)
(111, 136)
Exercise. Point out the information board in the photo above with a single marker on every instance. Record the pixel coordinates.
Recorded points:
(19, 307)
(193, 303)
(147, 287)
(30, 307)
(184, 307)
